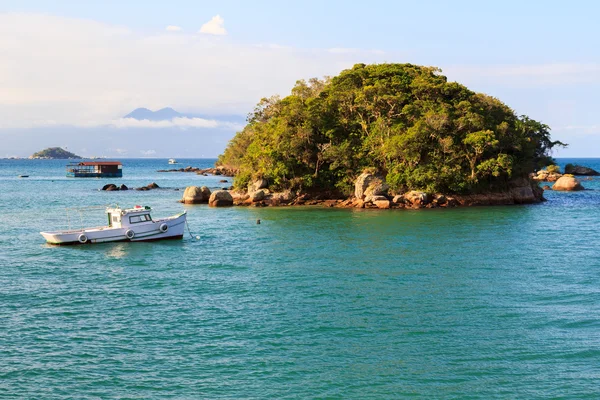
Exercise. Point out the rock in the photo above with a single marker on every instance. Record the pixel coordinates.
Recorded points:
(546, 176)
(261, 183)
(524, 191)
(220, 198)
(377, 187)
(398, 199)
(123, 187)
(567, 183)
(196, 195)
(282, 197)
(546, 187)
(143, 188)
(580, 170)
(363, 182)
(223, 181)
(110, 187)
(416, 198)
(257, 196)
(217, 172)
(153, 185)
(374, 198)
(441, 199)
(383, 204)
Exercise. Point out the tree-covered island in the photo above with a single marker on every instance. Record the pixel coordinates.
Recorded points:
(405, 126)
(54, 153)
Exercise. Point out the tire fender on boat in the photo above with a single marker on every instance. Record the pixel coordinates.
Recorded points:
(82, 238)
(130, 234)
(163, 227)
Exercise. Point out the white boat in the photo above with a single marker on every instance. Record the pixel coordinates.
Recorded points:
(172, 161)
(131, 225)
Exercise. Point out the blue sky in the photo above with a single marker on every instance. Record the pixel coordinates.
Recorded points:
(86, 64)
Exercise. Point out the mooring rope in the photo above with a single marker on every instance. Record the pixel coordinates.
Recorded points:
(190, 232)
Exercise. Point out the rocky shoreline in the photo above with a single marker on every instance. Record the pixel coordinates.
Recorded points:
(371, 192)
(203, 171)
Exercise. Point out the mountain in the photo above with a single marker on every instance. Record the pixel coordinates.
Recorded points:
(54, 153)
(166, 113)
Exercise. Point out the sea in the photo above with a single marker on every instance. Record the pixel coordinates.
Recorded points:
(312, 303)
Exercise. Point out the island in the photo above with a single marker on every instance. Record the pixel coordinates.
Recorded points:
(387, 136)
(54, 153)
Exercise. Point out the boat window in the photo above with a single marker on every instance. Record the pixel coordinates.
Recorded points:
(115, 219)
(139, 218)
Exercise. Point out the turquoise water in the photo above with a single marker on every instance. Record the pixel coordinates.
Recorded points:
(488, 302)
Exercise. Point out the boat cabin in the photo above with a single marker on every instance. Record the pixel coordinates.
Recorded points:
(95, 169)
(119, 218)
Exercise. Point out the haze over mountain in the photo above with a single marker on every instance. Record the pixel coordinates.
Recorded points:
(140, 133)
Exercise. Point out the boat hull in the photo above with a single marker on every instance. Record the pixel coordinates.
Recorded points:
(143, 232)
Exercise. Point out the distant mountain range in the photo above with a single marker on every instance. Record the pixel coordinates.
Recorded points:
(167, 114)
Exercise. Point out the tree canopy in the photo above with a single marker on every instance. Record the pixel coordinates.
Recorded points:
(404, 121)
(55, 153)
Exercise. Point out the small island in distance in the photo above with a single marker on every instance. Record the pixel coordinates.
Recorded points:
(54, 153)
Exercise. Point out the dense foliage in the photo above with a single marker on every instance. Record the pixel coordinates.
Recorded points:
(404, 121)
(54, 152)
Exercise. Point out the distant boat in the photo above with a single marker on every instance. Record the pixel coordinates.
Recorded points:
(172, 161)
(23, 176)
(124, 225)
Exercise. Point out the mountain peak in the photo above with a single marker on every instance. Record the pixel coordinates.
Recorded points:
(166, 113)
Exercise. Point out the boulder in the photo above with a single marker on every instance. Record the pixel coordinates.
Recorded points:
(123, 187)
(383, 204)
(283, 197)
(580, 170)
(398, 199)
(153, 185)
(220, 198)
(374, 198)
(258, 184)
(524, 191)
(110, 187)
(546, 187)
(369, 184)
(223, 181)
(196, 195)
(567, 183)
(546, 176)
(440, 199)
(377, 187)
(257, 196)
(416, 198)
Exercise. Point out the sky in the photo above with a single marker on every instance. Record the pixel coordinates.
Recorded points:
(71, 70)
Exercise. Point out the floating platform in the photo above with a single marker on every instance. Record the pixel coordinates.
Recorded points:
(95, 169)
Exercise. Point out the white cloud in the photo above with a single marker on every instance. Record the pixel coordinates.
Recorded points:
(84, 73)
(148, 152)
(216, 26)
(180, 122)
(173, 28)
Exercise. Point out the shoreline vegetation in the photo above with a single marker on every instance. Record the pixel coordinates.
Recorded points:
(385, 136)
(54, 153)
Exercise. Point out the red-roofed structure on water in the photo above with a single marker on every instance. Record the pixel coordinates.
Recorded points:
(95, 169)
